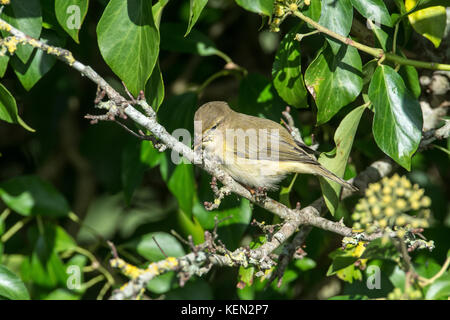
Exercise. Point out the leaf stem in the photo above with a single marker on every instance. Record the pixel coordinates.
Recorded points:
(376, 52)
(424, 281)
(11, 231)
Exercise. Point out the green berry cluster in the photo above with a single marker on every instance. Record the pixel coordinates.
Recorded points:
(393, 203)
(283, 8)
(410, 294)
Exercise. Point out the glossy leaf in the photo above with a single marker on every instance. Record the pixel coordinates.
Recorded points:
(8, 109)
(336, 16)
(11, 286)
(25, 15)
(337, 162)
(31, 196)
(374, 10)
(132, 56)
(286, 72)
(195, 9)
(39, 63)
(334, 81)
(70, 15)
(397, 124)
(429, 22)
(264, 7)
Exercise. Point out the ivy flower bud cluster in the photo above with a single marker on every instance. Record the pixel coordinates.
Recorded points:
(393, 203)
(281, 9)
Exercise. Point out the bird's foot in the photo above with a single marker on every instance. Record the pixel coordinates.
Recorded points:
(260, 194)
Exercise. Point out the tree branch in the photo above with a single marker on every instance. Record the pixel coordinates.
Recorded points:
(376, 52)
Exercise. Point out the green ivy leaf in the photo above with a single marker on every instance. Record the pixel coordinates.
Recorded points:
(423, 4)
(133, 57)
(39, 63)
(181, 184)
(374, 10)
(411, 78)
(313, 10)
(62, 294)
(439, 289)
(70, 15)
(11, 286)
(3, 64)
(336, 16)
(230, 230)
(44, 266)
(334, 81)
(382, 37)
(157, 10)
(429, 22)
(286, 71)
(397, 124)
(132, 169)
(8, 109)
(264, 7)
(195, 9)
(25, 15)
(154, 89)
(343, 138)
(30, 196)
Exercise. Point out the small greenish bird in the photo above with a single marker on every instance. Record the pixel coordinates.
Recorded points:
(256, 152)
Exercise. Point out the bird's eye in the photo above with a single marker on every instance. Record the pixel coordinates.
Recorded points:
(214, 127)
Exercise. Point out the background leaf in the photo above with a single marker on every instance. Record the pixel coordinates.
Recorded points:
(196, 42)
(264, 7)
(29, 195)
(39, 63)
(286, 71)
(195, 9)
(25, 15)
(429, 22)
(8, 109)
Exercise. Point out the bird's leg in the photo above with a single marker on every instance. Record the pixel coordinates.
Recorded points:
(260, 194)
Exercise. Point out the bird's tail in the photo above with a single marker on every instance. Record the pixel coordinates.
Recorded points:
(321, 171)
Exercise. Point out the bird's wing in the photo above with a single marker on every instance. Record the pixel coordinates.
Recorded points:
(276, 143)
